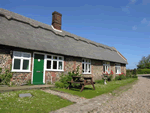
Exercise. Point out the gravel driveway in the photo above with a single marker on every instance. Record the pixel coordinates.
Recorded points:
(134, 100)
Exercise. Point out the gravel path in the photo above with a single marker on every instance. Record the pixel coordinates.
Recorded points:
(70, 97)
(134, 100)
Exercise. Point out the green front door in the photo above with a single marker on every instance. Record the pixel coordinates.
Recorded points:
(38, 69)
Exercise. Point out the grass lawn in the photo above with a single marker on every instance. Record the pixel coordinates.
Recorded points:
(40, 102)
(88, 91)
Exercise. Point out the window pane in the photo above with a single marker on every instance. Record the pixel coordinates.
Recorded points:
(119, 70)
(82, 65)
(26, 55)
(60, 65)
(89, 68)
(48, 56)
(116, 69)
(85, 67)
(25, 64)
(54, 64)
(54, 57)
(48, 64)
(18, 54)
(103, 68)
(82, 60)
(60, 58)
(17, 63)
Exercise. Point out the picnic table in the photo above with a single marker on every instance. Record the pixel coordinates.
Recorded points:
(85, 81)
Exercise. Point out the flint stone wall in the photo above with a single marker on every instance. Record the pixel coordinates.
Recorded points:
(70, 64)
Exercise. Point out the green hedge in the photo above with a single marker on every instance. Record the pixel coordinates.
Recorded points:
(143, 71)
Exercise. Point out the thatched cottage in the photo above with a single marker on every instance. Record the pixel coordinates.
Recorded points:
(39, 52)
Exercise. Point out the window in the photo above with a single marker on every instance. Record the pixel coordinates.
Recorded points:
(117, 68)
(54, 63)
(86, 66)
(21, 62)
(106, 67)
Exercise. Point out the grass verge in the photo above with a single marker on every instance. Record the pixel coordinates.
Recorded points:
(40, 102)
(88, 91)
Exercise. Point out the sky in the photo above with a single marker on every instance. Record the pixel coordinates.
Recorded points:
(123, 24)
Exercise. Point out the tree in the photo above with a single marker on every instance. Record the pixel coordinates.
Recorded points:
(144, 63)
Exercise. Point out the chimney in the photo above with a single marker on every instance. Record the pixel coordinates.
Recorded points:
(56, 20)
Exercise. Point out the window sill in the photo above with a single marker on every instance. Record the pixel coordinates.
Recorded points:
(20, 71)
(87, 73)
(53, 70)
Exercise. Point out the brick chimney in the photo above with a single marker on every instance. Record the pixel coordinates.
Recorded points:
(56, 20)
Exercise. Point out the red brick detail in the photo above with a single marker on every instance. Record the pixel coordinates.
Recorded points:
(56, 20)
(53, 76)
(9, 61)
(74, 66)
(64, 65)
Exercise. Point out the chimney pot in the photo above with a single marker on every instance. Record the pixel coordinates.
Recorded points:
(56, 20)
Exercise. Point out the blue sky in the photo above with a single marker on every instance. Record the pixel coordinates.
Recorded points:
(124, 24)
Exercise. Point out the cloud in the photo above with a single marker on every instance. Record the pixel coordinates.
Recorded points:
(144, 21)
(133, 1)
(134, 28)
(148, 23)
(126, 9)
(145, 2)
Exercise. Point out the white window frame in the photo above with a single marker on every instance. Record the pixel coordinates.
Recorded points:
(107, 66)
(88, 63)
(51, 59)
(21, 63)
(118, 66)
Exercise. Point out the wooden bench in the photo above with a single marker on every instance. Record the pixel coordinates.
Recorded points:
(86, 81)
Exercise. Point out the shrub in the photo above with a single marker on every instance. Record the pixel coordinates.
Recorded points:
(134, 76)
(59, 84)
(120, 76)
(99, 81)
(110, 78)
(128, 76)
(64, 78)
(0, 70)
(29, 82)
(117, 78)
(143, 71)
(5, 78)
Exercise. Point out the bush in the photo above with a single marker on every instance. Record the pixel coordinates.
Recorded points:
(120, 76)
(64, 78)
(59, 84)
(29, 82)
(143, 71)
(117, 78)
(5, 78)
(99, 81)
(134, 76)
(0, 70)
(110, 78)
(128, 76)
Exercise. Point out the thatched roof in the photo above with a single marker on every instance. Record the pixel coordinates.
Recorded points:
(19, 31)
